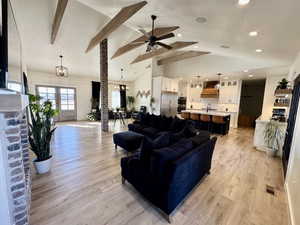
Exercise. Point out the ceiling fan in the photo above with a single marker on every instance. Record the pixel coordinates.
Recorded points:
(153, 41)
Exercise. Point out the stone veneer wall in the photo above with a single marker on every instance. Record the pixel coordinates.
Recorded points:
(15, 141)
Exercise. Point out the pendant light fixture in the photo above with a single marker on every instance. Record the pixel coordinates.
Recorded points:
(61, 71)
(122, 77)
(219, 84)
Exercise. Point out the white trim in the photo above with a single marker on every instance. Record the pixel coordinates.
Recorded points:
(290, 207)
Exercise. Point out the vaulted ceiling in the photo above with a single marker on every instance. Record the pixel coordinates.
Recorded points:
(227, 24)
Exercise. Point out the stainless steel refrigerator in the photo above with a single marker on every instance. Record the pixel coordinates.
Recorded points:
(169, 103)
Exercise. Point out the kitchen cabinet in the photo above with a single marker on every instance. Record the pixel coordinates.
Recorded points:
(169, 85)
(165, 93)
(229, 92)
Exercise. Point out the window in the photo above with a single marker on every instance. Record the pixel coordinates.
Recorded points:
(14, 86)
(115, 99)
(47, 93)
(67, 101)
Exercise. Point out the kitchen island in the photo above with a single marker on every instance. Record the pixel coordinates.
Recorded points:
(211, 120)
(207, 112)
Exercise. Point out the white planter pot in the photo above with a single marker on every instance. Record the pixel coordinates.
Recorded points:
(42, 166)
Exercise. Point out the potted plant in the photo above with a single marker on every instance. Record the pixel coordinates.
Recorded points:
(283, 84)
(152, 101)
(40, 132)
(273, 136)
(130, 101)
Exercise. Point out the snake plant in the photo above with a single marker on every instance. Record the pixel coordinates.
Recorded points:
(40, 127)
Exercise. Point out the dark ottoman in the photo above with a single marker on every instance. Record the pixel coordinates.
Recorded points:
(128, 140)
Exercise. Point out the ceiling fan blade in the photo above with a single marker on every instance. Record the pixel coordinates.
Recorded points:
(166, 36)
(138, 42)
(144, 32)
(164, 45)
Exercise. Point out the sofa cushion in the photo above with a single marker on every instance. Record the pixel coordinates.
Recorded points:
(148, 145)
(165, 123)
(150, 132)
(162, 157)
(177, 125)
(200, 138)
(136, 127)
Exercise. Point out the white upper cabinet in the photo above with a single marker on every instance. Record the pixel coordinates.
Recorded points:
(229, 92)
(169, 85)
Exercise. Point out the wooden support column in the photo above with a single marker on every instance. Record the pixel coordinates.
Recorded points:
(104, 85)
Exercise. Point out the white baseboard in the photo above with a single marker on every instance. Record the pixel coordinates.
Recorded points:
(290, 207)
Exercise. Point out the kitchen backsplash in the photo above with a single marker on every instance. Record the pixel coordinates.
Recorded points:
(213, 105)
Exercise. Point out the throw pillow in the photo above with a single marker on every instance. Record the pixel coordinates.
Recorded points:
(199, 139)
(148, 145)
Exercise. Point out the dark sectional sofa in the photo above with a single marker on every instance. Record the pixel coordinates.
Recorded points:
(171, 162)
(152, 126)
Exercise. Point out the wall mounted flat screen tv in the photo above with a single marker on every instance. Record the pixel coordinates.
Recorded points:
(10, 43)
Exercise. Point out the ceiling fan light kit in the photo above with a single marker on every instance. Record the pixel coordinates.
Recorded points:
(154, 41)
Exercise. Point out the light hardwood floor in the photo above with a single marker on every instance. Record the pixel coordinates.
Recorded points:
(84, 186)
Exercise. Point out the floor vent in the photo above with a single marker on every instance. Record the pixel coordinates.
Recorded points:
(270, 190)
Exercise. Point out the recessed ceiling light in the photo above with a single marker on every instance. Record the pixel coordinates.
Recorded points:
(246, 71)
(244, 2)
(196, 46)
(201, 20)
(225, 46)
(206, 79)
(259, 50)
(179, 35)
(250, 75)
(253, 33)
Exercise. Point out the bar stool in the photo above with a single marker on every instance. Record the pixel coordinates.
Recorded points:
(194, 116)
(185, 115)
(205, 122)
(219, 125)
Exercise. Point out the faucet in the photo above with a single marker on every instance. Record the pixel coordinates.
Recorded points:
(208, 107)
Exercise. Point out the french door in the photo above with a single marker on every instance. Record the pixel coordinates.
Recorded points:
(62, 98)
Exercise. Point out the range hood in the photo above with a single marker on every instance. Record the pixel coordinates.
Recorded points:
(210, 90)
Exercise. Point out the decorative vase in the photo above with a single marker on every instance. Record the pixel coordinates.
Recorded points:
(43, 166)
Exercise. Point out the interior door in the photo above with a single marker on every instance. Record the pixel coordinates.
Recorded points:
(62, 98)
(67, 104)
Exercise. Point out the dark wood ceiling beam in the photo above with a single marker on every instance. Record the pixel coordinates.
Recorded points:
(124, 14)
(178, 56)
(132, 45)
(175, 46)
(59, 13)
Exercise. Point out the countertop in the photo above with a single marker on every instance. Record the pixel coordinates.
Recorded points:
(209, 112)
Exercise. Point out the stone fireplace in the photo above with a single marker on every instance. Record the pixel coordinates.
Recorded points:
(15, 175)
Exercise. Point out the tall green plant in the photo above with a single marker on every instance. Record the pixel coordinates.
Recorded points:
(40, 128)
(273, 135)
(130, 101)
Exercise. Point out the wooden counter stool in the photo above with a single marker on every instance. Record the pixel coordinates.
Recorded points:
(185, 115)
(194, 116)
(205, 122)
(219, 125)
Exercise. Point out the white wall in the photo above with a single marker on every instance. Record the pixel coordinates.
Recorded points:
(81, 83)
(269, 98)
(143, 82)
